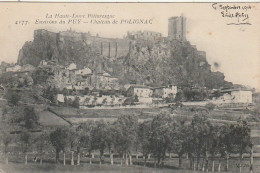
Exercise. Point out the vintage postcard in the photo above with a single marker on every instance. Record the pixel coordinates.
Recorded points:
(129, 87)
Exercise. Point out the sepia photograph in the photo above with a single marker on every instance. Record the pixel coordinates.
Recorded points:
(129, 87)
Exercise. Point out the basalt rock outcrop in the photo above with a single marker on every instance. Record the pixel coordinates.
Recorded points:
(156, 62)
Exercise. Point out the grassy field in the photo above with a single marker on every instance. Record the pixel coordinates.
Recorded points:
(104, 113)
(117, 168)
(16, 165)
(53, 168)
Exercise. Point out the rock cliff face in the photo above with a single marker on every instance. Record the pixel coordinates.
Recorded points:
(69, 46)
(153, 63)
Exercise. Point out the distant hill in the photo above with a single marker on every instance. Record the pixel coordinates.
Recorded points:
(159, 62)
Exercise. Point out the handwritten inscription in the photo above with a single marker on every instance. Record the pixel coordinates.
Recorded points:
(77, 19)
(237, 14)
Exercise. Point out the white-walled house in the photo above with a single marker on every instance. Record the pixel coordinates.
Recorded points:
(13, 68)
(164, 92)
(235, 96)
(84, 71)
(72, 66)
(27, 67)
(140, 91)
(43, 62)
(242, 96)
(60, 98)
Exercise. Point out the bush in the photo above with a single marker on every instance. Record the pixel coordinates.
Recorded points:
(50, 94)
(129, 101)
(75, 103)
(30, 117)
(210, 106)
(12, 97)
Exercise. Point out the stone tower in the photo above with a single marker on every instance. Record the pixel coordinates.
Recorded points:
(177, 28)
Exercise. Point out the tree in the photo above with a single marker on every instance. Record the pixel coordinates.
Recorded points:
(136, 98)
(144, 132)
(109, 139)
(86, 91)
(210, 106)
(112, 101)
(125, 135)
(200, 129)
(12, 97)
(179, 96)
(214, 144)
(241, 138)
(41, 143)
(104, 102)
(59, 140)
(86, 101)
(225, 144)
(75, 103)
(25, 139)
(94, 101)
(161, 133)
(80, 143)
(130, 100)
(6, 139)
(208, 144)
(73, 140)
(30, 117)
(99, 140)
(189, 146)
(50, 93)
(169, 98)
(40, 76)
(180, 140)
(67, 101)
(87, 138)
(65, 92)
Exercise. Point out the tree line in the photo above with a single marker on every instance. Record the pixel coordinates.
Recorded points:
(198, 140)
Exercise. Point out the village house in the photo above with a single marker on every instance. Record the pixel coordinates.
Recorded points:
(113, 82)
(242, 96)
(81, 84)
(256, 98)
(235, 96)
(58, 76)
(72, 77)
(13, 68)
(72, 66)
(139, 91)
(84, 71)
(43, 63)
(27, 68)
(163, 92)
(104, 80)
(47, 63)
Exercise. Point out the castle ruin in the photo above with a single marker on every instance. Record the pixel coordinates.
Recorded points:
(177, 28)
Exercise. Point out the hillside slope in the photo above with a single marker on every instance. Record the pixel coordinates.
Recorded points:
(153, 63)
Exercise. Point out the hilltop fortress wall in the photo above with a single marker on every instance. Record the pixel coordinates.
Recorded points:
(108, 47)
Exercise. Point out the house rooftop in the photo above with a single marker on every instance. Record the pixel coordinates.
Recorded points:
(139, 86)
(161, 87)
(234, 89)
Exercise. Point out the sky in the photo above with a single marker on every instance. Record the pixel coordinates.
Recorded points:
(235, 48)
